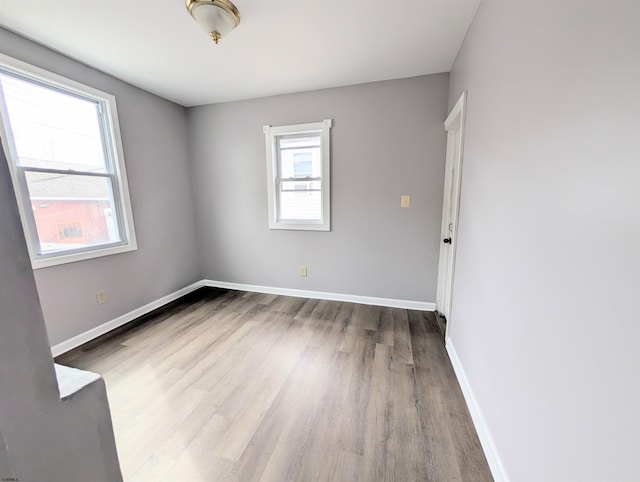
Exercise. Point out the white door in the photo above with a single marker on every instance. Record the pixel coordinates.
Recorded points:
(454, 125)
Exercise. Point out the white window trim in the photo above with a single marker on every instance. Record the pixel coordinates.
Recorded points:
(113, 130)
(270, 134)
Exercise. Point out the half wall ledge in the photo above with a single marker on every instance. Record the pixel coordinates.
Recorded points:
(73, 380)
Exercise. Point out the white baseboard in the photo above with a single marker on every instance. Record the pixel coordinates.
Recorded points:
(323, 295)
(93, 333)
(486, 440)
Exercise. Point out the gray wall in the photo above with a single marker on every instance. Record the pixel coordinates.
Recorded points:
(33, 419)
(154, 140)
(544, 316)
(5, 469)
(387, 140)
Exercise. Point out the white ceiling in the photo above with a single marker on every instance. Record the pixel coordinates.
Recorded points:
(280, 46)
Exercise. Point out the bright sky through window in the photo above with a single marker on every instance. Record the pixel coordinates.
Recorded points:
(62, 144)
(52, 128)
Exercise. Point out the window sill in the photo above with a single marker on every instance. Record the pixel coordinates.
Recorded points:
(300, 226)
(74, 257)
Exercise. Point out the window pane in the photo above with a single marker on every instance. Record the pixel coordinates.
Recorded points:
(72, 211)
(301, 205)
(52, 129)
(303, 162)
(300, 156)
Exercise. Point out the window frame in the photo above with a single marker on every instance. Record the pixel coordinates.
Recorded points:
(114, 166)
(273, 179)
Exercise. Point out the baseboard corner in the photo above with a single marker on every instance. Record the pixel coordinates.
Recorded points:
(93, 333)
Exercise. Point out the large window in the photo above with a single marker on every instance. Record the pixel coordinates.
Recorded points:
(298, 168)
(62, 142)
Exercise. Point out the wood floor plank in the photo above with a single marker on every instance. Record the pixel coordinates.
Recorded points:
(245, 387)
(401, 337)
(408, 442)
(378, 455)
(286, 461)
(155, 468)
(367, 317)
(324, 437)
(290, 399)
(247, 414)
(386, 332)
(357, 396)
(197, 463)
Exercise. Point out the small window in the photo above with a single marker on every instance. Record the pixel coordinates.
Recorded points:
(62, 142)
(298, 169)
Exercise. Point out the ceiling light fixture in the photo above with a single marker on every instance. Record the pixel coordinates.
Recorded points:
(216, 17)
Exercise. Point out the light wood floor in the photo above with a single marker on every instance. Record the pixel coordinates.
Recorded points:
(234, 386)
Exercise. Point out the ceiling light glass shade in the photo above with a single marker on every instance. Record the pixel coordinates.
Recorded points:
(216, 17)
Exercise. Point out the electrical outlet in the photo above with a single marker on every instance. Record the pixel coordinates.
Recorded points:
(302, 271)
(101, 297)
(405, 201)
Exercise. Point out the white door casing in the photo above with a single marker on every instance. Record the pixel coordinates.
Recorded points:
(454, 126)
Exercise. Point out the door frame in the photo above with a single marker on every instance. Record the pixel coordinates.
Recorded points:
(454, 156)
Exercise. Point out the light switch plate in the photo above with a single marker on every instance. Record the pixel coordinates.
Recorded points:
(405, 201)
